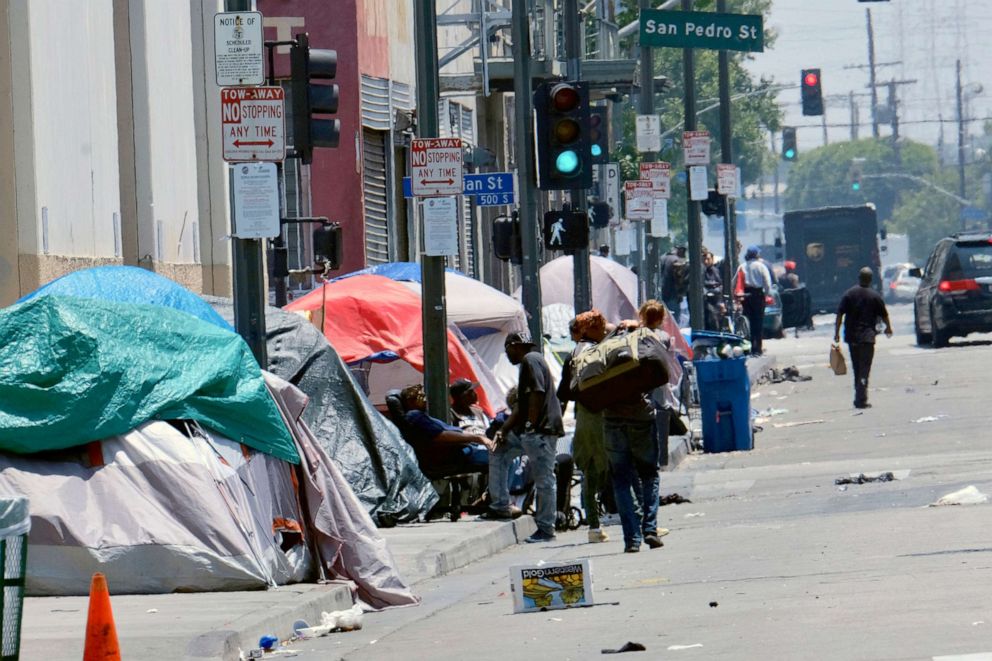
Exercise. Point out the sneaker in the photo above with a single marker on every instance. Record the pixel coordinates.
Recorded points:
(632, 548)
(596, 536)
(653, 541)
(515, 511)
(540, 536)
(661, 532)
(496, 515)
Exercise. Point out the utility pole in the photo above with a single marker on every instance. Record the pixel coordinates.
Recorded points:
(960, 95)
(871, 75)
(692, 218)
(854, 116)
(580, 258)
(435, 325)
(523, 132)
(247, 267)
(727, 156)
(650, 261)
(823, 120)
(775, 181)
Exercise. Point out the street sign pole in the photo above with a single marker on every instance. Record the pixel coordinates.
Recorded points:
(581, 275)
(695, 229)
(650, 258)
(435, 324)
(247, 266)
(727, 156)
(524, 133)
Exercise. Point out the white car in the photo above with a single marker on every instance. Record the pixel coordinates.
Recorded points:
(902, 286)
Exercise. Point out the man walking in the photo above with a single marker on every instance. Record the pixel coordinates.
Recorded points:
(860, 310)
(673, 270)
(533, 427)
(757, 282)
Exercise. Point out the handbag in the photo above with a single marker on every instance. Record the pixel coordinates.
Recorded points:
(837, 362)
(676, 427)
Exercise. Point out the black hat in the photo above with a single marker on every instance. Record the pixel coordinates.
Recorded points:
(519, 337)
(461, 386)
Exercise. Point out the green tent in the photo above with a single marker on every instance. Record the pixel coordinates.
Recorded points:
(76, 370)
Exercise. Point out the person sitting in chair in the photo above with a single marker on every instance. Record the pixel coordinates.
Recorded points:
(465, 410)
(441, 449)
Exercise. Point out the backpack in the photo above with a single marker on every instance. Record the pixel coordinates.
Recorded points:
(618, 368)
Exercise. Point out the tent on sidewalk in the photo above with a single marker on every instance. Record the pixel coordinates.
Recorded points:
(378, 464)
(152, 448)
(376, 325)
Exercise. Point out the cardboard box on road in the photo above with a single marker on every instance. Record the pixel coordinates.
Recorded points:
(551, 586)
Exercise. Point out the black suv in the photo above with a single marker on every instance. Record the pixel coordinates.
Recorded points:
(955, 294)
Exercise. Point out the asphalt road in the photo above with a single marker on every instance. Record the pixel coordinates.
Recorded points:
(771, 559)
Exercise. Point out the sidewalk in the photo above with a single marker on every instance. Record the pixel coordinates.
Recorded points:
(216, 625)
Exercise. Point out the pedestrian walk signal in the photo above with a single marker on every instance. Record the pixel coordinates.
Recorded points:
(562, 137)
(566, 230)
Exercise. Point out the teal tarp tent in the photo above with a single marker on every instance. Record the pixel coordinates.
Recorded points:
(76, 370)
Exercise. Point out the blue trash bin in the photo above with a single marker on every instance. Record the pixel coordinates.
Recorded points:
(725, 401)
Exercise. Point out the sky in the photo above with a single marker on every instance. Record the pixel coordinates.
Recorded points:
(925, 37)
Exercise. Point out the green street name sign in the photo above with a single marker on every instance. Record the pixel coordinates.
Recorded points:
(697, 29)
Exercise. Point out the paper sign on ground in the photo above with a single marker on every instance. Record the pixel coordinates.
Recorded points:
(256, 201)
(551, 586)
(699, 188)
(696, 147)
(660, 176)
(638, 201)
(440, 226)
(659, 219)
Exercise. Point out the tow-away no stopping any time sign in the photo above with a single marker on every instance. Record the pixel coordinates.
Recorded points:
(436, 167)
(253, 120)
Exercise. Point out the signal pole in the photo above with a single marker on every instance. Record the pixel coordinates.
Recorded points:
(695, 229)
(650, 259)
(727, 156)
(580, 258)
(435, 325)
(524, 139)
(960, 100)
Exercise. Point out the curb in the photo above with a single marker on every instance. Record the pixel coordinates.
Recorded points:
(226, 644)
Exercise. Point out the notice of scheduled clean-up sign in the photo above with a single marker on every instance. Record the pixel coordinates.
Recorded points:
(253, 121)
(238, 48)
(436, 167)
(699, 29)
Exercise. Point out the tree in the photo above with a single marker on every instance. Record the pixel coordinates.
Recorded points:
(752, 115)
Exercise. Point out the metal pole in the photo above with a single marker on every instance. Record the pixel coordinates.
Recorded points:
(695, 229)
(580, 258)
(279, 243)
(524, 145)
(777, 164)
(435, 326)
(961, 185)
(727, 156)
(871, 74)
(854, 117)
(651, 259)
(247, 266)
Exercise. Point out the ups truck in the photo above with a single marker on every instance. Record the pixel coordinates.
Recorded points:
(829, 246)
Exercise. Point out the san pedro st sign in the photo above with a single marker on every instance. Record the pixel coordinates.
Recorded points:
(696, 29)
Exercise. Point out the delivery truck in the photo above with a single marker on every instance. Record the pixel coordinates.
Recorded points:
(829, 246)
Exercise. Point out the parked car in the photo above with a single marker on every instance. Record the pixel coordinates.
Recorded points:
(773, 315)
(889, 274)
(955, 293)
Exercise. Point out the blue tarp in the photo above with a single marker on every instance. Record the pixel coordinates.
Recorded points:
(401, 271)
(129, 284)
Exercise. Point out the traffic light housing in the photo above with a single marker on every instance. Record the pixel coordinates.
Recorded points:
(856, 178)
(714, 204)
(309, 99)
(566, 230)
(789, 150)
(599, 215)
(507, 244)
(564, 157)
(599, 135)
(327, 247)
(812, 92)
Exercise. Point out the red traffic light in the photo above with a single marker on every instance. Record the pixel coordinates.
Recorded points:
(564, 98)
(811, 79)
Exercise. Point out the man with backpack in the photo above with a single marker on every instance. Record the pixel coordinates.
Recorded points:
(674, 279)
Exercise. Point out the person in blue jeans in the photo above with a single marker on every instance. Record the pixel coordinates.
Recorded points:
(533, 427)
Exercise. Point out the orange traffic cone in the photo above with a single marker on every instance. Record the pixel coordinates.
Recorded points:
(101, 634)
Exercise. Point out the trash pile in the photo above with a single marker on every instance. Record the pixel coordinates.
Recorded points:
(790, 373)
(865, 479)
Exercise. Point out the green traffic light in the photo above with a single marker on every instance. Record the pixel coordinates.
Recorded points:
(597, 151)
(790, 154)
(855, 185)
(567, 162)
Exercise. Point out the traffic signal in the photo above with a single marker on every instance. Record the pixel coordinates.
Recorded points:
(599, 135)
(566, 230)
(309, 99)
(599, 214)
(564, 158)
(327, 247)
(856, 179)
(507, 239)
(812, 92)
(789, 150)
(714, 204)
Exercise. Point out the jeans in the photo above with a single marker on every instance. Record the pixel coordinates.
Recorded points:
(862, 354)
(540, 451)
(634, 454)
